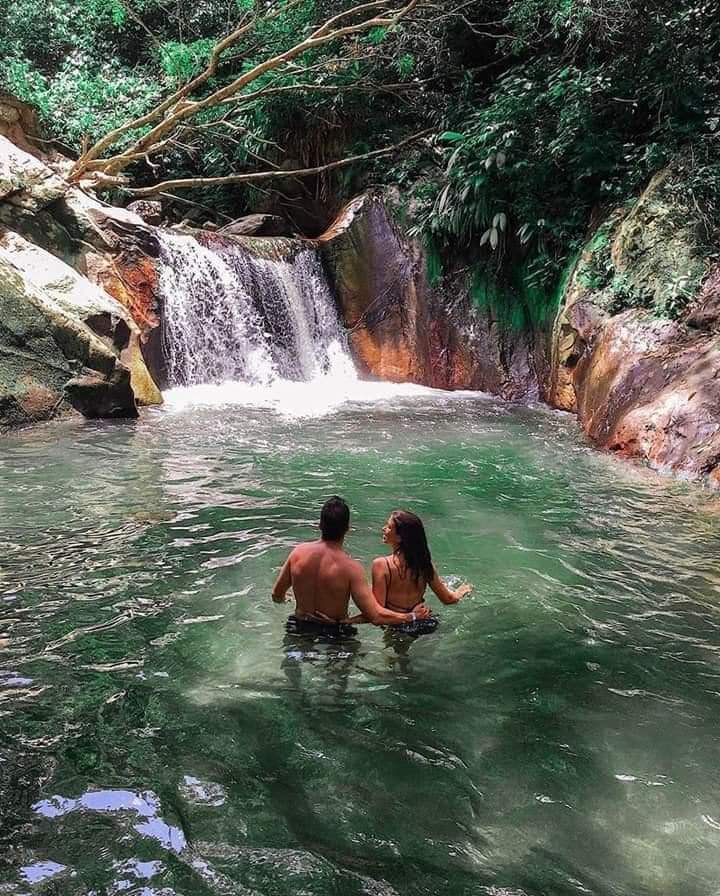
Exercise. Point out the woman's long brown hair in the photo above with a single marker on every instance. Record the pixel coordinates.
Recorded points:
(413, 547)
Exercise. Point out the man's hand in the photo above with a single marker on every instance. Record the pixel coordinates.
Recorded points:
(463, 590)
(357, 619)
(422, 612)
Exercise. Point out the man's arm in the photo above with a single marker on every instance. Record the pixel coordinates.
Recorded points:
(282, 583)
(370, 608)
(445, 594)
(379, 588)
(379, 580)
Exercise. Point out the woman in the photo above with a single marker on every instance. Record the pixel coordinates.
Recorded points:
(399, 581)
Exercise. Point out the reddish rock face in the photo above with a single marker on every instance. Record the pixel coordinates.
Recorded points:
(643, 385)
(403, 330)
(132, 280)
(651, 389)
(123, 261)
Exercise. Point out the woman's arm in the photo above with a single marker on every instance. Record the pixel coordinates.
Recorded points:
(444, 593)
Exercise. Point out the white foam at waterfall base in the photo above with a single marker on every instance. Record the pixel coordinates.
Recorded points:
(244, 330)
(291, 398)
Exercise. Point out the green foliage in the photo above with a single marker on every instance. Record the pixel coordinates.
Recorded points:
(494, 296)
(180, 62)
(597, 270)
(406, 65)
(376, 35)
(519, 299)
(592, 99)
(545, 110)
(85, 101)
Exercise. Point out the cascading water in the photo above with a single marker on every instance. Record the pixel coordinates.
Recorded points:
(256, 328)
(231, 315)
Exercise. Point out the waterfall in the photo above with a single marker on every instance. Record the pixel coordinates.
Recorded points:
(230, 314)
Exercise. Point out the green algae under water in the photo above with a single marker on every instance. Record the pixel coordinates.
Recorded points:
(558, 735)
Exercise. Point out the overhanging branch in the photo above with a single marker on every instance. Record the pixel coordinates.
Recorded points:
(179, 107)
(255, 176)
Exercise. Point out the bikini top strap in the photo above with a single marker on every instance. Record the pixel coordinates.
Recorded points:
(388, 578)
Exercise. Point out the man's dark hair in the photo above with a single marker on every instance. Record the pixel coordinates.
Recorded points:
(334, 519)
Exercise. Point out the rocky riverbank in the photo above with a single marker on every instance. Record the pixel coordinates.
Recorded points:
(630, 344)
(630, 347)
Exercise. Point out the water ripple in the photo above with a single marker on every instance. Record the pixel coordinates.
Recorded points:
(161, 734)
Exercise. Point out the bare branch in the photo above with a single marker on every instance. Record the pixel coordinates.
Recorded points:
(360, 87)
(245, 25)
(252, 177)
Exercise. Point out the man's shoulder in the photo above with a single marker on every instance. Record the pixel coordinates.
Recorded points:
(305, 547)
(354, 566)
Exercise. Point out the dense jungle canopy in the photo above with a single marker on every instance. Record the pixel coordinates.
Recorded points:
(526, 116)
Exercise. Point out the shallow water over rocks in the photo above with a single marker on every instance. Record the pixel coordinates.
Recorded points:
(160, 735)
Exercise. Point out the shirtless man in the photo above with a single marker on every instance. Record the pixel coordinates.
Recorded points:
(324, 577)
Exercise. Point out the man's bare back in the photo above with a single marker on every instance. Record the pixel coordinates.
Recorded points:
(320, 574)
(324, 577)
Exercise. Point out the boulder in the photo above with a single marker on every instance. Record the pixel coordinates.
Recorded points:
(19, 123)
(651, 389)
(42, 349)
(99, 310)
(150, 210)
(25, 181)
(640, 371)
(66, 327)
(105, 227)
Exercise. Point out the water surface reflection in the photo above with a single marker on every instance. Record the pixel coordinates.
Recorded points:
(161, 734)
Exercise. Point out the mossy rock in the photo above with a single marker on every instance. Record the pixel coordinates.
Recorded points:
(43, 348)
(656, 253)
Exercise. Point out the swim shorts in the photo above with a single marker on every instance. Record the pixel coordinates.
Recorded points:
(416, 628)
(338, 631)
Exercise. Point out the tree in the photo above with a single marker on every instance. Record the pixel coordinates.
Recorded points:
(208, 102)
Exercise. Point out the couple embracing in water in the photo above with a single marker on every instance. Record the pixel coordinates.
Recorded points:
(324, 577)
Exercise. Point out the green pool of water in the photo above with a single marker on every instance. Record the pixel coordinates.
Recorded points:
(158, 736)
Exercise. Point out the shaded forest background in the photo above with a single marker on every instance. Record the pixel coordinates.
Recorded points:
(536, 115)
